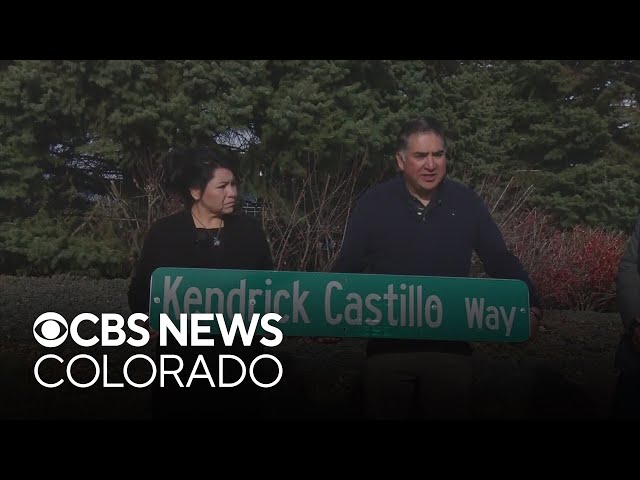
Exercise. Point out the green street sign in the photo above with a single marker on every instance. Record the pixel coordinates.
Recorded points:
(349, 305)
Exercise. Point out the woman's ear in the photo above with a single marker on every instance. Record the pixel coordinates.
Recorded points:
(195, 193)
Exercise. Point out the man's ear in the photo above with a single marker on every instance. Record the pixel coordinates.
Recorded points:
(400, 161)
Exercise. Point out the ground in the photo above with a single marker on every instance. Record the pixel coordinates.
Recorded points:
(565, 372)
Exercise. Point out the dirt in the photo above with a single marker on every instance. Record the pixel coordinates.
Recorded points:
(565, 372)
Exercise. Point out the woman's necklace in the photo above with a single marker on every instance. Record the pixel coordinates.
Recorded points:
(216, 240)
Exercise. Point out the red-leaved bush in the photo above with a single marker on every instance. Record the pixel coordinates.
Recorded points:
(577, 269)
(574, 269)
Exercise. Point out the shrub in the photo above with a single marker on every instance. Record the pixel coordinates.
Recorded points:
(571, 269)
(304, 219)
(41, 245)
(577, 268)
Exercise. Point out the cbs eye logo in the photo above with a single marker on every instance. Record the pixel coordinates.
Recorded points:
(50, 329)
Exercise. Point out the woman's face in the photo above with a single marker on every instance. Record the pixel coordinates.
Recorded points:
(220, 195)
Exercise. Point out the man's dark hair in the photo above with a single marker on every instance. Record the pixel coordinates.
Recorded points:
(196, 167)
(419, 125)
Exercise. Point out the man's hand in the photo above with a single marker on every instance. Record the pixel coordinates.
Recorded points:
(535, 315)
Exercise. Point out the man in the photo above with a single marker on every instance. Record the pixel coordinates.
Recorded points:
(627, 399)
(423, 223)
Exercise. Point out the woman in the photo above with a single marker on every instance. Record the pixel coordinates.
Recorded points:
(206, 234)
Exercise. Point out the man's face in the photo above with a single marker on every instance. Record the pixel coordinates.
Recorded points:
(423, 163)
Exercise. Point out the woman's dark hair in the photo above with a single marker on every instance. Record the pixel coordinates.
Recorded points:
(195, 167)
